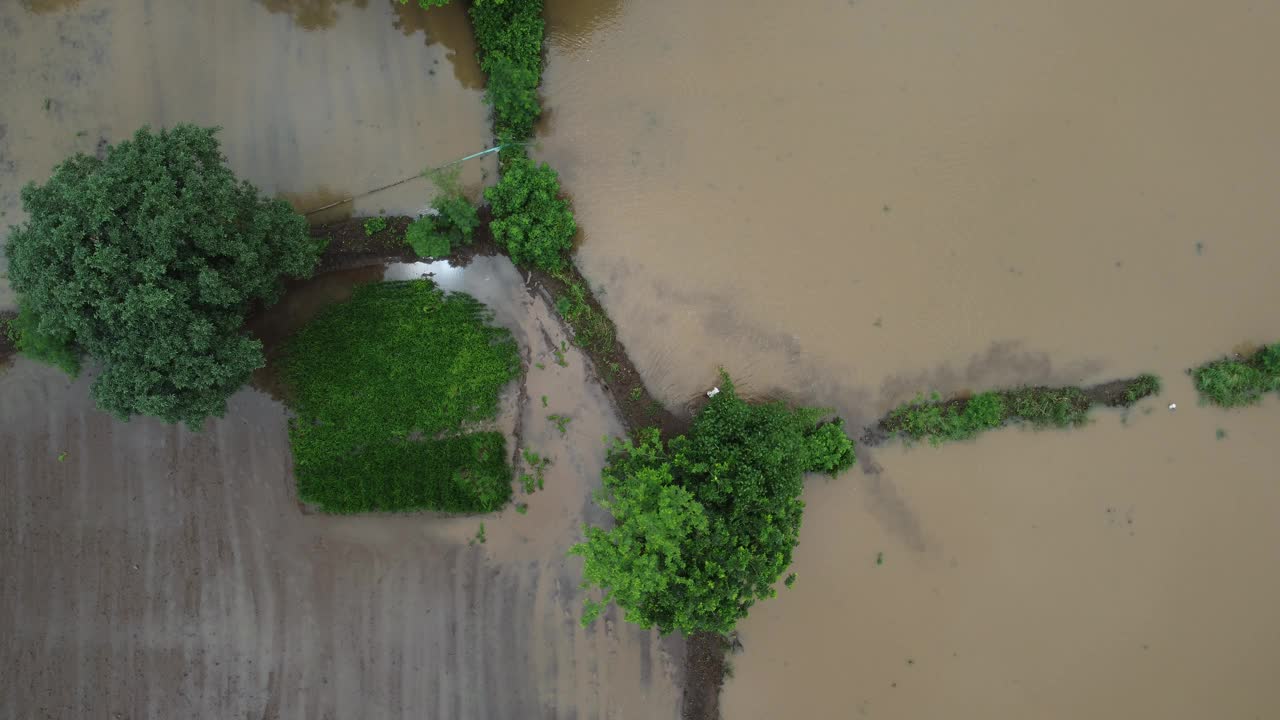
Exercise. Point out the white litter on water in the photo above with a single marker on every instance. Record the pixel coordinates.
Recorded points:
(1173, 406)
(713, 392)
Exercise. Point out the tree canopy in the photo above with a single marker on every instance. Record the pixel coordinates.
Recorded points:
(706, 524)
(147, 260)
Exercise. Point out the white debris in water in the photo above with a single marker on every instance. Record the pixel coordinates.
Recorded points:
(713, 392)
(1173, 406)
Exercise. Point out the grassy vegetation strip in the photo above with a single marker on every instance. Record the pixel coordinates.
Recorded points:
(1237, 381)
(388, 388)
(940, 421)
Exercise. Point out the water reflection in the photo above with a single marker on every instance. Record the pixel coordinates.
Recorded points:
(450, 27)
(309, 14)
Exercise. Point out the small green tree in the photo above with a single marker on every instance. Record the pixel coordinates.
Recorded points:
(706, 525)
(530, 219)
(147, 261)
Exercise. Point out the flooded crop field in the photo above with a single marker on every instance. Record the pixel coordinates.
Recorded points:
(845, 203)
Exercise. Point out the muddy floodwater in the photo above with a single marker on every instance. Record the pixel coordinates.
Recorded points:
(318, 100)
(852, 202)
(153, 572)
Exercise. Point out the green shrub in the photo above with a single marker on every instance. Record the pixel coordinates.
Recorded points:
(59, 351)
(147, 262)
(388, 387)
(705, 525)
(530, 219)
(453, 220)
(1234, 382)
(426, 240)
(509, 36)
(427, 4)
(375, 225)
(512, 92)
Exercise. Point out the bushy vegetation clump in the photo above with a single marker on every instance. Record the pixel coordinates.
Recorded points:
(706, 524)
(389, 388)
(427, 4)
(530, 219)
(147, 261)
(1238, 381)
(941, 421)
(509, 35)
(452, 222)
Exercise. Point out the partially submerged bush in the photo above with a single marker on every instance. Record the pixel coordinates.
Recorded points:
(427, 4)
(389, 388)
(706, 524)
(1237, 381)
(530, 219)
(941, 421)
(148, 261)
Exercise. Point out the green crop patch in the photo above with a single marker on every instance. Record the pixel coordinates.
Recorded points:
(389, 389)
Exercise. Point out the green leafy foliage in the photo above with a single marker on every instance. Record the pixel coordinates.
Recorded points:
(452, 222)
(706, 524)
(592, 328)
(147, 261)
(530, 219)
(1143, 386)
(375, 225)
(941, 421)
(388, 388)
(509, 36)
(427, 4)
(1236, 381)
(59, 351)
(426, 240)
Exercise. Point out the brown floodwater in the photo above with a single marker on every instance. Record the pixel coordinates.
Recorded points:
(148, 571)
(852, 202)
(318, 100)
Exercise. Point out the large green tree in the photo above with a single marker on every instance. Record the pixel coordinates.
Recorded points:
(147, 261)
(705, 525)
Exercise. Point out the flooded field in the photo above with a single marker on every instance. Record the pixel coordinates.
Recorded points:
(152, 572)
(318, 100)
(852, 202)
(843, 202)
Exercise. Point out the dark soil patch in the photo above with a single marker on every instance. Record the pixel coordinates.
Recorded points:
(704, 675)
